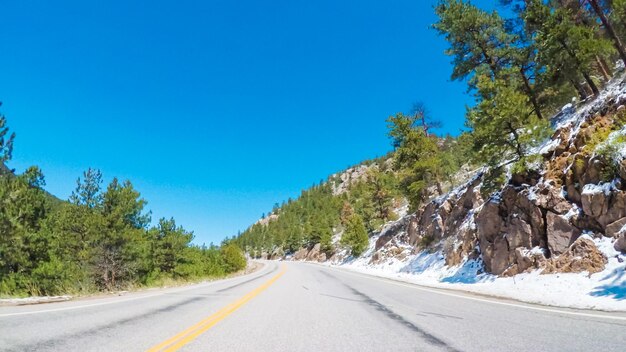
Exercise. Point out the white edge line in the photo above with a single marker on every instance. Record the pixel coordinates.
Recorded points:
(443, 292)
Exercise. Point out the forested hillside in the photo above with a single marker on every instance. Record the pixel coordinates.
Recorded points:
(520, 69)
(99, 240)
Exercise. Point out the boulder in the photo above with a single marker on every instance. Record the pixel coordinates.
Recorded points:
(551, 198)
(336, 258)
(528, 259)
(322, 257)
(583, 255)
(614, 228)
(498, 258)
(563, 146)
(468, 199)
(531, 214)
(616, 208)
(412, 231)
(300, 254)
(314, 253)
(489, 222)
(462, 245)
(376, 258)
(561, 234)
(593, 172)
(594, 203)
(519, 233)
(502, 227)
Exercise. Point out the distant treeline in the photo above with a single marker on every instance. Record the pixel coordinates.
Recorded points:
(101, 239)
(520, 70)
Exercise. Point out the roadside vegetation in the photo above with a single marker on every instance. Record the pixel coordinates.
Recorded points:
(98, 240)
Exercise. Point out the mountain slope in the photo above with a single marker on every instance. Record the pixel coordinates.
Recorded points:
(551, 234)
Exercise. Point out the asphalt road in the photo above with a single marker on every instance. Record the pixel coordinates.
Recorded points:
(305, 307)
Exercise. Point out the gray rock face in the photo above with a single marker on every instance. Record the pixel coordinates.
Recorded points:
(390, 231)
(613, 228)
(550, 198)
(595, 204)
(508, 223)
(561, 234)
(616, 208)
(300, 254)
(314, 253)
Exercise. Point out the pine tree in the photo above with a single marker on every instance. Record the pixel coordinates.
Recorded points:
(618, 12)
(503, 124)
(167, 246)
(567, 49)
(23, 206)
(355, 236)
(6, 140)
(481, 44)
(88, 190)
(118, 248)
(608, 26)
(418, 158)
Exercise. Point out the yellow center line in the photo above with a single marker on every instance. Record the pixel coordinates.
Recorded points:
(184, 337)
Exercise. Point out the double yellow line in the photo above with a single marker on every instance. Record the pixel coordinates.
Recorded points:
(186, 336)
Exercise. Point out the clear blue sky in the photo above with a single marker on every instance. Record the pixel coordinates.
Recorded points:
(215, 110)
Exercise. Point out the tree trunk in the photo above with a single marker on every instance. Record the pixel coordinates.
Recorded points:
(572, 54)
(531, 94)
(591, 84)
(603, 69)
(579, 89)
(516, 141)
(609, 29)
(490, 60)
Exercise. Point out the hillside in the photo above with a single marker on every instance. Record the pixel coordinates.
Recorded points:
(565, 215)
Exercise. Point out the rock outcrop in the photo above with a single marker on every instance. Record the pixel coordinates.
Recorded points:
(536, 219)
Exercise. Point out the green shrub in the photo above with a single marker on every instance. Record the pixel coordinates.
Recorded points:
(234, 259)
(609, 154)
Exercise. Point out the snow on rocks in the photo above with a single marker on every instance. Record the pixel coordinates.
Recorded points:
(603, 290)
(555, 236)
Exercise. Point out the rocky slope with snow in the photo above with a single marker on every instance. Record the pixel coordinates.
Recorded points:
(556, 232)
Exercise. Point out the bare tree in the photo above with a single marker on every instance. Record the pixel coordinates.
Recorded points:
(422, 119)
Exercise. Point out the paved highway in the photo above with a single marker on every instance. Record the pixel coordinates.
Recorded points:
(305, 307)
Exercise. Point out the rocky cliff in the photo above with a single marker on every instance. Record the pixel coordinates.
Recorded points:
(535, 219)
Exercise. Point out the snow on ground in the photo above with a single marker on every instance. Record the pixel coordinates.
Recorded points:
(605, 290)
(574, 115)
(33, 300)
